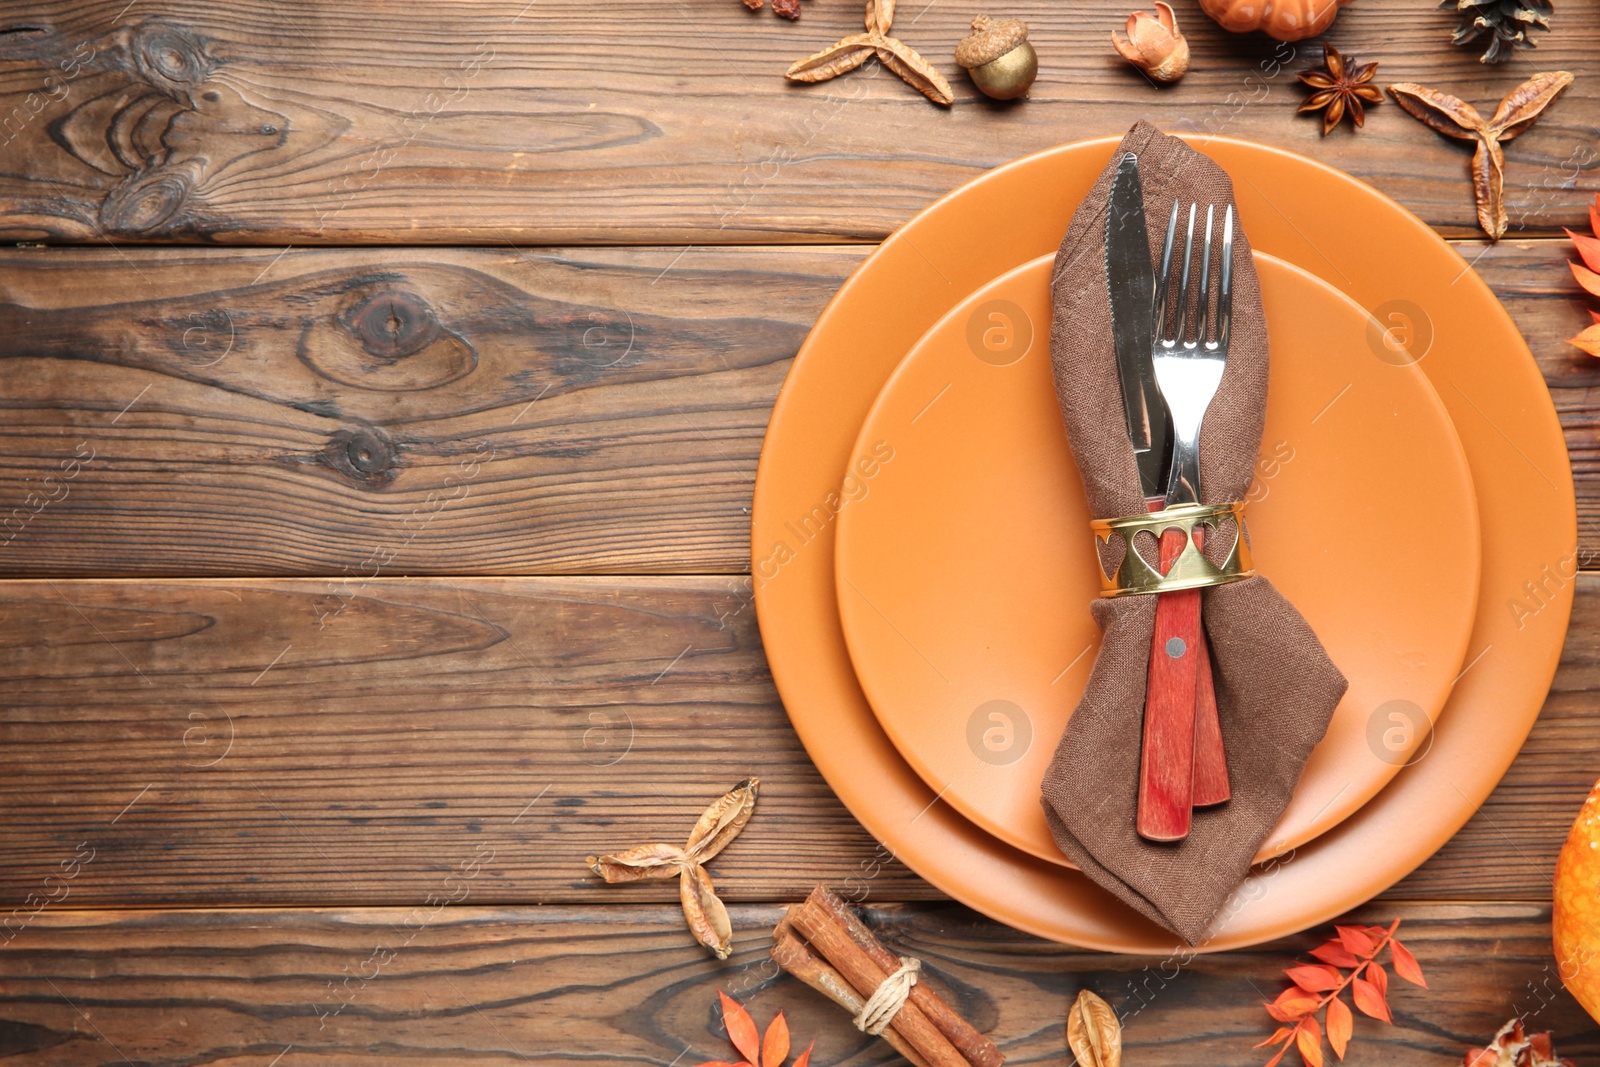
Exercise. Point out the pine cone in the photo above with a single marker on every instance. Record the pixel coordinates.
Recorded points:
(1512, 1048)
(1507, 23)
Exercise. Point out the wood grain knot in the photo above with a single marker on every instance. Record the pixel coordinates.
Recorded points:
(390, 340)
(147, 202)
(367, 457)
(171, 58)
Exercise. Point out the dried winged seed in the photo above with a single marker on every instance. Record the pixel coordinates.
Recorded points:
(1357, 114)
(646, 861)
(1370, 93)
(839, 57)
(1318, 79)
(1363, 73)
(1524, 103)
(1093, 1032)
(707, 918)
(1488, 187)
(1449, 115)
(1319, 100)
(915, 70)
(721, 822)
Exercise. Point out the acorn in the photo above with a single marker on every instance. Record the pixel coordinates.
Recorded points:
(998, 57)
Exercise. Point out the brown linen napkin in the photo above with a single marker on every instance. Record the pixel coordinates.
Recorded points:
(1275, 686)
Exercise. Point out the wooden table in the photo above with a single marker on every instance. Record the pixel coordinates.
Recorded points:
(385, 385)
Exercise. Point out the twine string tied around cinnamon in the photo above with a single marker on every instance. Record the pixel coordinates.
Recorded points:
(890, 996)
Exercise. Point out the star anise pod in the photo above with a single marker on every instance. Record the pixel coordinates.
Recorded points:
(1340, 87)
(850, 52)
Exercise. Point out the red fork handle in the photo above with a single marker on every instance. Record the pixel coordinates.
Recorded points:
(1166, 757)
(1210, 759)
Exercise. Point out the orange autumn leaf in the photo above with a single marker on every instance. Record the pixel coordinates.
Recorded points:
(1588, 340)
(1405, 964)
(1277, 1035)
(1378, 977)
(1356, 940)
(1341, 1025)
(1369, 1000)
(775, 1046)
(741, 1028)
(1315, 977)
(1309, 1042)
(1335, 953)
(1586, 277)
(1588, 248)
(768, 1051)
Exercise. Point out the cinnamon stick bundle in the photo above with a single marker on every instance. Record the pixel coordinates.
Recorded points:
(854, 963)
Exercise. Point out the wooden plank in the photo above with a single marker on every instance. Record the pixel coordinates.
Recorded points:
(313, 742)
(466, 984)
(230, 412)
(377, 412)
(488, 123)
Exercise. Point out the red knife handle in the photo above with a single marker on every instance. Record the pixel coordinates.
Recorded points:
(1210, 758)
(1166, 759)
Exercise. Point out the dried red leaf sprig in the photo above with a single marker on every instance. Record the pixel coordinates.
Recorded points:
(1588, 275)
(1512, 1047)
(1317, 986)
(758, 1050)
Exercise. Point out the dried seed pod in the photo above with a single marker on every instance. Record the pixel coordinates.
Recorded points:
(1093, 1032)
(1454, 117)
(637, 864)
(721, 822)
(914, 71)
(707, 918)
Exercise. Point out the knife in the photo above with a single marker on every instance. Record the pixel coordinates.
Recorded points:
(1131, 285)
(1182, 762)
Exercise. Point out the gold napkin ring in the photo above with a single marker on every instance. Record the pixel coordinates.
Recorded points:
(1191, 570)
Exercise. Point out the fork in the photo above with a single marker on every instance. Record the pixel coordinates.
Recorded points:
(1182, 762)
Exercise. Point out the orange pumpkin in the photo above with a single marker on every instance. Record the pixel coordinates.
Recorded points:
(1575, 922)
(1286, 20)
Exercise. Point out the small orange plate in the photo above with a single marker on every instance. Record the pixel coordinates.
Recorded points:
(965, 574)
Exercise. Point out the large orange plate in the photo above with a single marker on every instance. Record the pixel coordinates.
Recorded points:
(965, 576)
(1365, 245)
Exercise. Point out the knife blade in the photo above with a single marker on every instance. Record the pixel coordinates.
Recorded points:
(1131, 285)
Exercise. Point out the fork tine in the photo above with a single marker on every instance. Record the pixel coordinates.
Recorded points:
(1180, 328)
(1225, 288)
(1202, 315)
(1164, 276)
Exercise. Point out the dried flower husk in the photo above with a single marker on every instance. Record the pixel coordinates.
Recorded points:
(1513, 1047)
(1456, 118)
(1093, 1032)
(707, 918)
(1154, 44)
